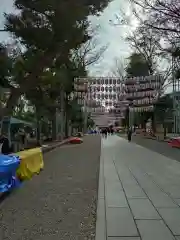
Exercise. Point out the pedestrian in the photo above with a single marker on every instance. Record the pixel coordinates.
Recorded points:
(5, 145)
(105, 132)
(129, 134)
(22, 137)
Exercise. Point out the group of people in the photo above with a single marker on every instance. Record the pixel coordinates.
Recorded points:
(107, 131)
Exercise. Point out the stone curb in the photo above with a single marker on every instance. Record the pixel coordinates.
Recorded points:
(157, 139)
(52, 147)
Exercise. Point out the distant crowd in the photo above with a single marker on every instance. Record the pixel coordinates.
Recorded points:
(105, 131)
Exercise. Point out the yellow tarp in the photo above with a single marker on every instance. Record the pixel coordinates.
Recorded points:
(31, 163)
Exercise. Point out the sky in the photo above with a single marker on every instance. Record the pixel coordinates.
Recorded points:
(114, 35)
(108, 34)
(5, 6)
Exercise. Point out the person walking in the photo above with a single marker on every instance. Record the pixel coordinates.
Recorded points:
(129, 134)
(104, 132)
(5, 145)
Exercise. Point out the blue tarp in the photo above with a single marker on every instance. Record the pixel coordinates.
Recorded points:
(8, 167)
(92, 131)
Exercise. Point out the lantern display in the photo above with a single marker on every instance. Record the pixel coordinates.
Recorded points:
(141, 92)
(102, 95)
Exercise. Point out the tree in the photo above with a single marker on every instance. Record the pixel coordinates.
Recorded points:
(163, 110)
(5, 67)
(90, 52)
(147, 43)
(76, 116)
(137, 66)
(90, 122)
(163, 16)
(49, 31)
(176, 61)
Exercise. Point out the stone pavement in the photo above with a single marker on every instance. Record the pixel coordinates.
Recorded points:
(139, 193)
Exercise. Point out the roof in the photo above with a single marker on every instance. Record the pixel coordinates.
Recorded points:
(19, 121)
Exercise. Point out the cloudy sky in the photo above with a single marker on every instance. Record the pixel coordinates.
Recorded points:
(107, 34)
(112, 34)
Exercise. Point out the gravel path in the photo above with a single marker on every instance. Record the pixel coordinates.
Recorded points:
(60, 203)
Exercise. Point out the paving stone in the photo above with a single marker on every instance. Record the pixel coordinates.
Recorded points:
(173, 190)
(146, 183)
(177, 200)
(113, 184)
(101, 221)
(172, 218)
(128, 181)
(161, 200)
(115, 197)
(123, 238)
(126, 176)
(143, 209)
(134, 191)
(101, 193)
(154, 230)
(120, 223)
(111, 174)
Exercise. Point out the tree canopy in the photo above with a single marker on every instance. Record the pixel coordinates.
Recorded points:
(55, 46)
(49, 31)
(137, 65)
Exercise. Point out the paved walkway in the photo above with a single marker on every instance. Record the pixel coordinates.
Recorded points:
(139, 193)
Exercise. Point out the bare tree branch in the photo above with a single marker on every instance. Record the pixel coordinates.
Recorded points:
(162, 15)
(90, 52)
(118, 69)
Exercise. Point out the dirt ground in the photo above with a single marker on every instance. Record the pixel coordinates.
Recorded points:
(60, 203)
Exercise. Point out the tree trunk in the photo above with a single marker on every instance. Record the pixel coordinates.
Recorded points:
(164, 128)
(62, 114)
(54, 126)
(66, 125)
(38, 131)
